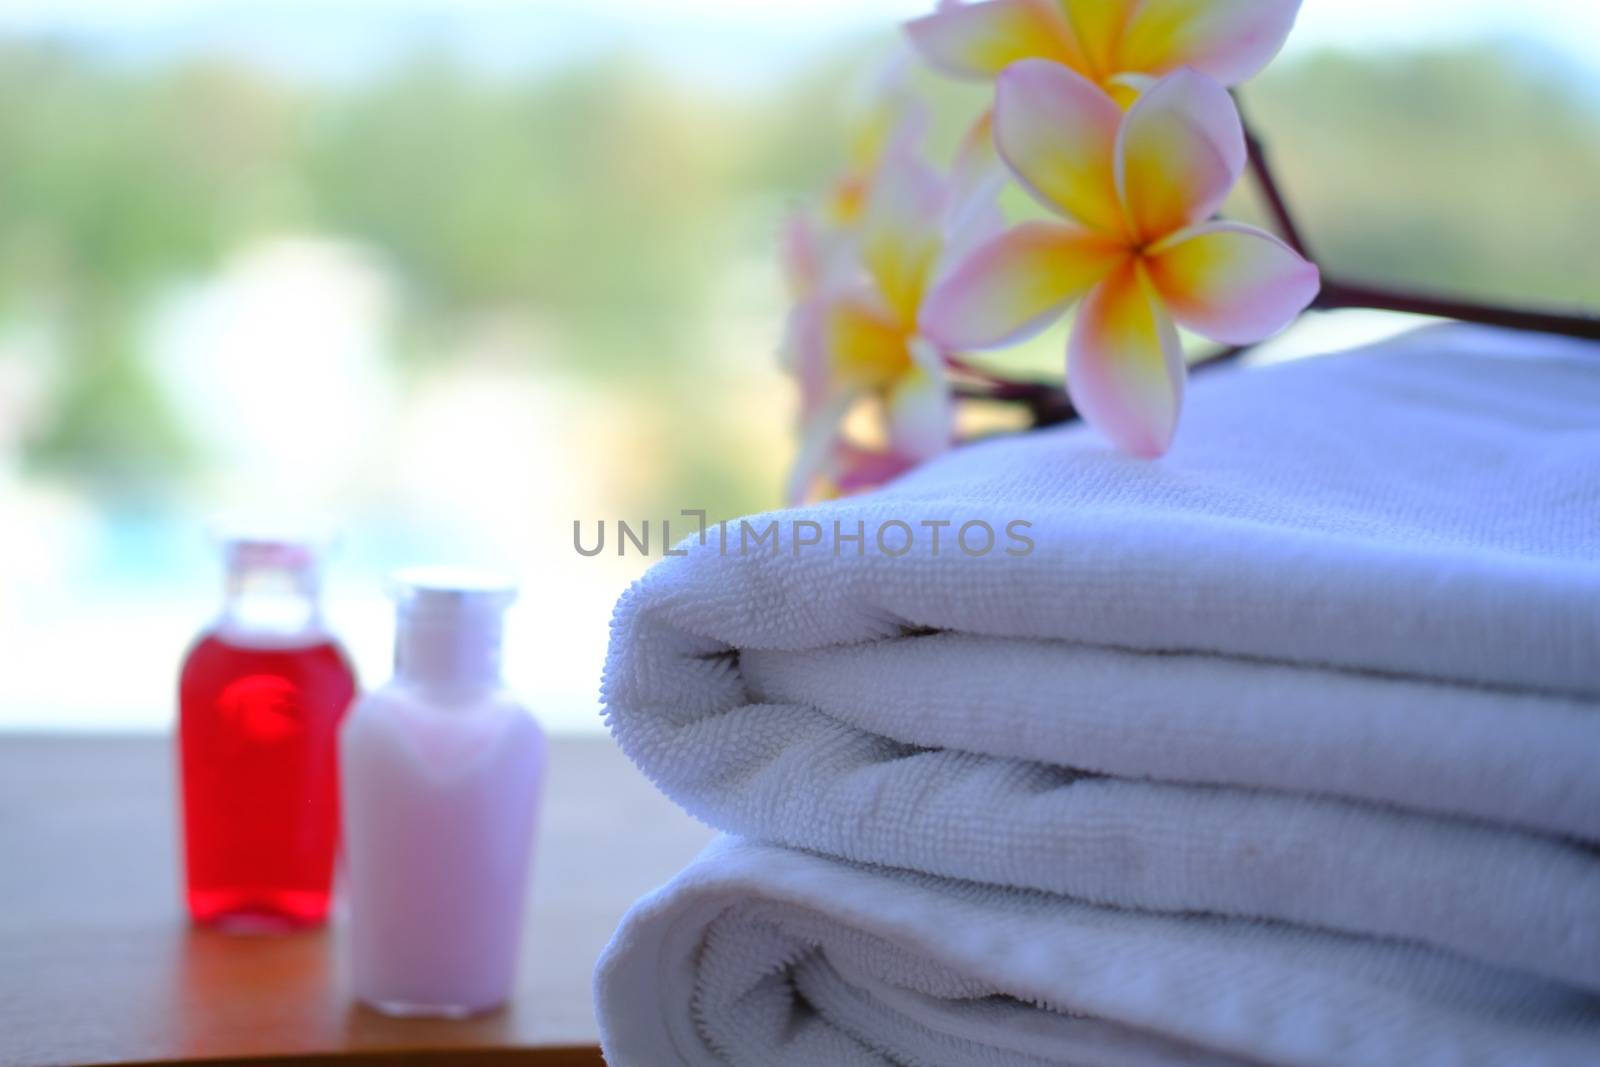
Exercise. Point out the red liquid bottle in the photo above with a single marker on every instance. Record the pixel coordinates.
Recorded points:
(261, 697)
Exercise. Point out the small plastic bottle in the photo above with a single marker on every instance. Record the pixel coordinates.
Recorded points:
(260, 698)
(442, 770)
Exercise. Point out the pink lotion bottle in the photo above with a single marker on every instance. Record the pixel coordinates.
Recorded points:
(441, 774)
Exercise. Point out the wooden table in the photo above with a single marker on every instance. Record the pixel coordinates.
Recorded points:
(98, 963)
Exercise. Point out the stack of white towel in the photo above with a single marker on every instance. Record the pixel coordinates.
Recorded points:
(1282, 749)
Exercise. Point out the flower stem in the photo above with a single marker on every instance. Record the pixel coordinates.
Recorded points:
(1342, 294)
(1277, 206)
(1338, 294)
(1047, 402)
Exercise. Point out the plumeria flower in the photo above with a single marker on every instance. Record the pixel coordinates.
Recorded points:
(802, 255)
(1136, 189)
(1120, 45)
(841, 467)
(857, 340)
(886, 119)
(818, 244)
(813, 258)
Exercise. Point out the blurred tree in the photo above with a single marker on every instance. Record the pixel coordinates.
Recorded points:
(1469, 170)
(590, 200)
(115, 184)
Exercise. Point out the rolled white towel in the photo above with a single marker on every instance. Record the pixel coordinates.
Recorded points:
(762, 955)
(1329, 662)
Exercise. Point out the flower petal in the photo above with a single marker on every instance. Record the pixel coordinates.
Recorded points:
(857, 468)
(977, 173)
(1178, 154)
(865, 347)
(1231, 282)
(1015, 285)
(1126, 88)
(1057, 132)
(886, 115)
(1098, 27)
(845, 199)
(973, 216)
(921, 415)
(819, 442)
(1125, 366)
(980, 40)
(800, 254)
(1230, 40)
(804, 353)
(901, 232)
(973, 224)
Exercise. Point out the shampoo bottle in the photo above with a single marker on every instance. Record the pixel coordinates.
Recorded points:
(441, 772)
(261, 696)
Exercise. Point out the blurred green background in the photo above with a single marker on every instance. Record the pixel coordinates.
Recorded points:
(608, 203)
(458, 307)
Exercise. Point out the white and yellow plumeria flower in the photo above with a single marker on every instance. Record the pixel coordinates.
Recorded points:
(885, 118)
(1137, 189)
(859, 340)
(818, 243)
(1119, 45)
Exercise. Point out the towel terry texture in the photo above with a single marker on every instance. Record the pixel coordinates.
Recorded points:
(771, 957)
(1328, 675)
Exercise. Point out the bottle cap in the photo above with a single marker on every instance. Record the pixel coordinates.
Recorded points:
(273, 580)
(279, 544)
(449, 630)
(453, 589)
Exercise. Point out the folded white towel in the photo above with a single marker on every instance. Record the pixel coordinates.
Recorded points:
(1327, 662)
(761, 955)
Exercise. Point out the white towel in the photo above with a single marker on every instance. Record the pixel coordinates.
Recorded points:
(1329, 662)
(762, 955)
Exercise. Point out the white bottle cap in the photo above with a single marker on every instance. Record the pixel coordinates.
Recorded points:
(449, 626)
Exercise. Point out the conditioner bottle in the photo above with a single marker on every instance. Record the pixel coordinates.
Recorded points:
(441, 772)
